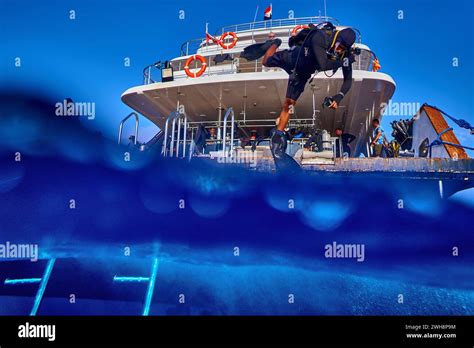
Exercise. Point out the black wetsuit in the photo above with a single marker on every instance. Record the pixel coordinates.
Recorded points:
(346, 139)
(308, 54)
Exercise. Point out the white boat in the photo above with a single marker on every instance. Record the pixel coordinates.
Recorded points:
(256, 93)
(235, 93)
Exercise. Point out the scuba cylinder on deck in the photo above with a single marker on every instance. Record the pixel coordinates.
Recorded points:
(326, 140)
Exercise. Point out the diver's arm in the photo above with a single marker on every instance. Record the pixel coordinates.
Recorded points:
(322, 60)
(318, 46)
(346, 85)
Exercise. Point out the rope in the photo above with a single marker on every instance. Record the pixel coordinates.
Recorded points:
(460, 122)
(438, 142)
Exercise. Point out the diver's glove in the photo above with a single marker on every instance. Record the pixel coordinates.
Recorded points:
(279, 143)
(338, 97)
(329, 101)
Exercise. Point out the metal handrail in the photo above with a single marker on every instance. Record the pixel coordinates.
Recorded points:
(147, 72)
(248, 123)
(171, 115)
(136, 127)
(230, 111)
(366, 57)
(269, 24)
(438, 141)
(147, 75)
(152, 141)
(185, 130)
(277, 23)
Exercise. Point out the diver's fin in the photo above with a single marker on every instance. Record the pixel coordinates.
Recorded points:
(283, 162)
(253, 52)
(256, 51)
(286, 164)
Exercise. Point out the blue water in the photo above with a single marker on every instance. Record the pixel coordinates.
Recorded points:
(136, 204)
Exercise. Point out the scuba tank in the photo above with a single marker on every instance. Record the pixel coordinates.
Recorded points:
(326, 140)
(300, 38)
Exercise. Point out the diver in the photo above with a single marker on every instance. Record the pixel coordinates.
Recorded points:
(314, 49)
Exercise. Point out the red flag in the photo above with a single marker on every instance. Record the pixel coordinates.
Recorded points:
(268, 13)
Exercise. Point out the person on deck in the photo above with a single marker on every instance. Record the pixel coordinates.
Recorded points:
(378, 137)
(344, 140)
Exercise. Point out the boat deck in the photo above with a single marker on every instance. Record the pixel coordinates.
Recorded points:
(403, 165)
(423, 167)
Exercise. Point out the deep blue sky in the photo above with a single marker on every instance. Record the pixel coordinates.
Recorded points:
(83, 58)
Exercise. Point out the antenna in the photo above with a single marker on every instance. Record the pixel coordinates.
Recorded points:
(325, 12)
(256, 13)
(254, 20)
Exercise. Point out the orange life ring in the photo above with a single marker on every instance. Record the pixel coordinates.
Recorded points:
(192, 59)
(230, 45)
(220, 41)
(298, 28)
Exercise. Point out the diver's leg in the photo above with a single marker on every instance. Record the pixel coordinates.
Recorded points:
(279, 141)
(270, 52)
(285, 113)
(296, 85)
(258, 50)
(279, 138)
(283, 161)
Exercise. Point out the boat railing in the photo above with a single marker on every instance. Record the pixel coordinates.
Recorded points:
(363, 62)
(165, 140)
(173, 147)
(229, 112)
(226, 144)
(147, 79)
(191, 46)
(136, 127)
(177, 137)
(184, 129)
(275, 23)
